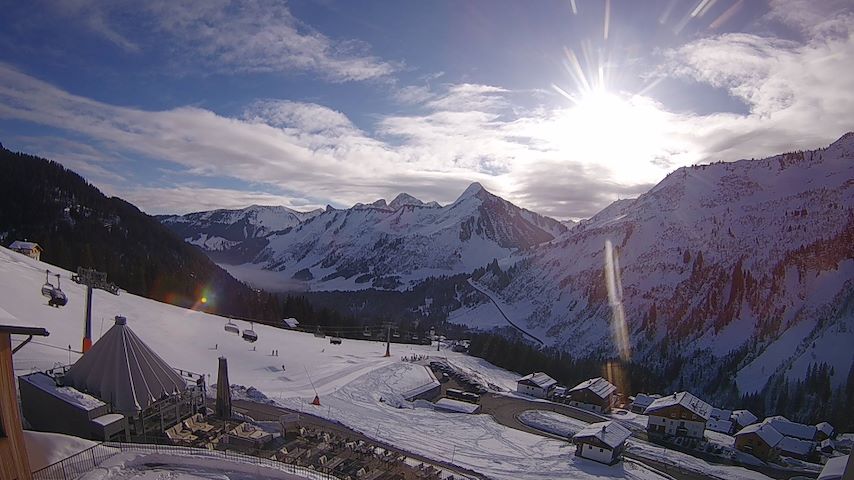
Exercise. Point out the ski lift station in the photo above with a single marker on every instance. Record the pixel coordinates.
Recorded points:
(119, 390)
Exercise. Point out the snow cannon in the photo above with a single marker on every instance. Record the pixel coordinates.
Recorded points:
(316, 400)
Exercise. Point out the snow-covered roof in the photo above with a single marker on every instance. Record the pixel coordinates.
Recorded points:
(743, 417)
(19, 245)
(834, 468)
(599, 386)
(456, 405)
(291, 322)
(686, 400)
(720, 413)
(539, 379)
(67, 394)
(108, 419)
(767, 433)
(794, 445)
(790, 428)
(722, 426)
(609, 433)
(121, 369)
(825, 428)
(643, 400)
(410, 394)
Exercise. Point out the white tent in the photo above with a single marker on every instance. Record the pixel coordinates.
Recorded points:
(122, 370)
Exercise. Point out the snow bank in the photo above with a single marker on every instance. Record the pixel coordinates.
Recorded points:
(44, 448)
(551, 422)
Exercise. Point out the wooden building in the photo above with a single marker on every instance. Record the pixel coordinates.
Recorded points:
(14, 461)
(680, 415)
(536, 384)
(824, 431)
(596, 395)
(641, 401)
(742, 418)
(602, 442)
(30, 249)
(759, 440)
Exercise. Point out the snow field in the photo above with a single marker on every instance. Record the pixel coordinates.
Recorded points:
(350, 378)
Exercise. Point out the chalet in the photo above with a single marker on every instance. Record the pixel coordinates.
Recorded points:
(602, 442)
(792, 429)
(30, 249)
(720, 426)
(795, 448)
(596, 394)
(824, 431)
(536, 384)
(680, 415)
(641, 401)
(291, 323)
(742, 418)
(759, 440)
(720, 414)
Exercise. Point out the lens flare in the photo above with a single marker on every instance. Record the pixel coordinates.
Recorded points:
(619, 329)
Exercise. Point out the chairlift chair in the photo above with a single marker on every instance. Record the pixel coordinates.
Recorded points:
(47, 288)
(57, 296)
(395, 333)
(367, 332)
(249, 334)
(230, 327)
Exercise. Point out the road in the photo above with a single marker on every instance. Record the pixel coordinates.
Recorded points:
(498, 306)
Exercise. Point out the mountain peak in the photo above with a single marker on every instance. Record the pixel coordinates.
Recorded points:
(404, 199)
(474, 189)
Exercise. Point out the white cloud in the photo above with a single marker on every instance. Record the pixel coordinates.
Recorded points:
(560, 159)
(227, 36)
(173, 199)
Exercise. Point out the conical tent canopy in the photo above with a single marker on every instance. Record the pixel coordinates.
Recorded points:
(124, 371)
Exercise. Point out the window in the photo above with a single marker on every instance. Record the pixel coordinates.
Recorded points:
(600, 450)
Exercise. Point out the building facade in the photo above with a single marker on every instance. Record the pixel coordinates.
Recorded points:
(596, 395)
(681, 415)
(537, 385)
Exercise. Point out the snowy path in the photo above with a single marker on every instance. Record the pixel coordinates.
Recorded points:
(491, 298)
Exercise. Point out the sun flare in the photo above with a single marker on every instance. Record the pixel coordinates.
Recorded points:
(625, 134)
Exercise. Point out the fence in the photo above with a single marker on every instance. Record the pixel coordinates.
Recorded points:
(89, 459)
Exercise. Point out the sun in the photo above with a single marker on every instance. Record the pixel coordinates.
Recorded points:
(622, 133)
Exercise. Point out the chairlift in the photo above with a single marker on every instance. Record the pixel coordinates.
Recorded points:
(395, 333)
(319, 334)
(249, 335)
(367, 332)
(231, 327)
(47, 288)
(57, 296)
(335, 340)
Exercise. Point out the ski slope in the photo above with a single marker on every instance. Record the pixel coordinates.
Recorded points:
(357, 385)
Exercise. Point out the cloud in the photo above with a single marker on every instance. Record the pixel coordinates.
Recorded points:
(173, 199)
(560, 159)
(800, 94)
(231, 37)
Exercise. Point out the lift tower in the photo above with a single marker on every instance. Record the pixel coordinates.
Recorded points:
(92, 279)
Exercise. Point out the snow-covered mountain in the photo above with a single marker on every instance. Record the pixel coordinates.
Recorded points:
(748, 266)
(382, 245)
(220, 230)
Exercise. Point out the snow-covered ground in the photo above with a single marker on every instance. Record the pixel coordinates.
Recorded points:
(44, 448)
(351, 378)
(137, 466)
(551, 422)
(688, 462)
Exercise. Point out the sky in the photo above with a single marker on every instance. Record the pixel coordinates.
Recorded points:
(561, 107)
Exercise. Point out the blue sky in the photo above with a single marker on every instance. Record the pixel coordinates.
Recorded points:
(558, 106)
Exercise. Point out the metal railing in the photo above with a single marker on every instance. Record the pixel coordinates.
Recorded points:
(89, 459)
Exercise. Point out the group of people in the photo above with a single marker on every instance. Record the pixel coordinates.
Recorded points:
(414, 358)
